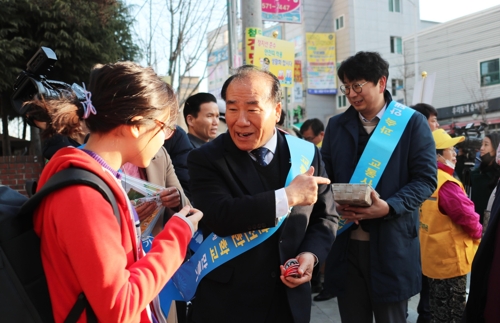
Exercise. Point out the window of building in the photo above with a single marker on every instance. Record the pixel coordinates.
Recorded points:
(339, 22)
(341, 101)
(396, 85)
(395, 5)
(490, 72)
(396, 45)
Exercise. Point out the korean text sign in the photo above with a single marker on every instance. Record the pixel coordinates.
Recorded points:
(250, 34)
(321, 57)
(282, 10)
(277, 57)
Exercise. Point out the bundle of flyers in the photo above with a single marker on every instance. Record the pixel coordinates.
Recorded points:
(139, 192)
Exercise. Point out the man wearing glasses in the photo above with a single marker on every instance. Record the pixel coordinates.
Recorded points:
(377, 258)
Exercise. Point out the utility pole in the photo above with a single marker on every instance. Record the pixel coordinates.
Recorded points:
(251, 17)
(232, 23)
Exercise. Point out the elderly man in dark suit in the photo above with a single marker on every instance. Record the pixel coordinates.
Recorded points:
(239, 192)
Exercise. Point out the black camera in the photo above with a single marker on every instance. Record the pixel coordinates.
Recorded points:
(34, 81)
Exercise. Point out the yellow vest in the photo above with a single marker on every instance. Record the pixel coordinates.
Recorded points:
(447, 250)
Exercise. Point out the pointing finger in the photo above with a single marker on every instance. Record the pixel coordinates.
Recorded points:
(321, 180)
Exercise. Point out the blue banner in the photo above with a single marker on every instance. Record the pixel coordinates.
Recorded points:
(215, 251)
(379, 149)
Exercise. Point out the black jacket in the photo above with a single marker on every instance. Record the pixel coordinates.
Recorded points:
(178, 148)
(226, 186)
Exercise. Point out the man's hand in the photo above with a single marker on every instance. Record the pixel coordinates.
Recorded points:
(145, 210)
(306, 265)
(378, 209)
(303, 190)
(170, 197)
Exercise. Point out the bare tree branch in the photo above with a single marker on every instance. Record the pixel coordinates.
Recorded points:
(478, 94)
(190, 59)
(177, 36)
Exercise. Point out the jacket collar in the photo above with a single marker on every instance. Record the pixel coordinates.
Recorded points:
(242, 166)
(349, 119)
(195, 141)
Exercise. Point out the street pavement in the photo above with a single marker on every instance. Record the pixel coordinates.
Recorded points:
(328, 311)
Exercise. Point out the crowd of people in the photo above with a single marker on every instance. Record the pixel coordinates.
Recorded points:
(420, 233)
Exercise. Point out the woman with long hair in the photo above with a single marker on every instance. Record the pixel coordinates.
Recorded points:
(484, 178)
(129, 112)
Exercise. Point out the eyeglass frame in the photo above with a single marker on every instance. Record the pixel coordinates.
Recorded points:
(168, 130)
(347, 89)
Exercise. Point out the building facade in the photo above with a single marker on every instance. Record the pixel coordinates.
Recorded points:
(357, 25)
(465, 55)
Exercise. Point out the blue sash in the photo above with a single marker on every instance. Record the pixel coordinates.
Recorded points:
(379, 149)
(215, 251)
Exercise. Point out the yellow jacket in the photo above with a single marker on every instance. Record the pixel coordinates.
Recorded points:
(447, 250)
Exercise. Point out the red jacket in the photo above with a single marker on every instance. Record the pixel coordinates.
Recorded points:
(84, 249)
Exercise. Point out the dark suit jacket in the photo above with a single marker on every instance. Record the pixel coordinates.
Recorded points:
(161, 172)
(195, 141)
(226, 186)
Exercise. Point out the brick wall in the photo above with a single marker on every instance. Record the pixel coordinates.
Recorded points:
(16, 170)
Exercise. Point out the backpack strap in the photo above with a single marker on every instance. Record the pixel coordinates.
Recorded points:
(76, 311)
(64, 178)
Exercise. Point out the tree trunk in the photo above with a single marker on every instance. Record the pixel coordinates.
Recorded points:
(6, 151)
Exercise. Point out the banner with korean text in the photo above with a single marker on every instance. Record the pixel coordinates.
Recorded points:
(297, 71)
(276, 56)
(321, 58)
(379, 149)
(250, 34)
(282, 10)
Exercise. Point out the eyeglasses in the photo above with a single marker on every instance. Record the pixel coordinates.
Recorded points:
(167, 130)
(356, 88)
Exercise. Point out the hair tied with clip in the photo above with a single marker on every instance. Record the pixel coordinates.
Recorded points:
(88, 108)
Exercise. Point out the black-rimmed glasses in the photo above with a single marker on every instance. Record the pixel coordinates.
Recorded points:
(356, 87)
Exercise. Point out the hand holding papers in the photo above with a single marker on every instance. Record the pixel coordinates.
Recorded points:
(170, 197)
(140, 192)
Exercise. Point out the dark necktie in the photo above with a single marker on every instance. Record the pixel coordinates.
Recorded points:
(260, 155)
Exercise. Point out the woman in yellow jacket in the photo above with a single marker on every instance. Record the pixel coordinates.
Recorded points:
(449, 236)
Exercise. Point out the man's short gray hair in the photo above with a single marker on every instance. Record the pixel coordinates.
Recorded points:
(245, 71)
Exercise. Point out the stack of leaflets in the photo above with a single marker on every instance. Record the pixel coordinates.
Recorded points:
(139, 192)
